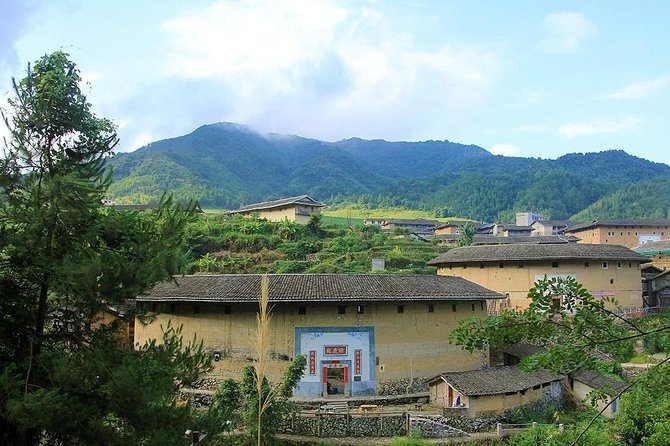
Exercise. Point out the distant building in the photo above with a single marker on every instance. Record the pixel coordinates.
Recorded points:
(411, 224)
(626, 232)
(360, 332)
(513, 269)
(494, 390)
(550, 227)
(507, 230)
(527, 218)
(374, 221)
(297, 209)
(658, 252)
(485, 239)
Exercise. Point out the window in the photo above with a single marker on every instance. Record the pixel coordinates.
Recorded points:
(465, 266)
(431, 308)
(453, 307)
(302, 310)
(605, 265)
(554, 264)
(196, 309)
(341, 309)
(481, 266)
(473, 307)
(586, 264)
(500, 265)
(630, 265)
(226, 309)
(520, 264)
(611, 281)
(360, 309)
(401, 309)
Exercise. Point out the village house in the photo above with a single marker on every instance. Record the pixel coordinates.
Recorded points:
(486, 239)
(627, 232)
(415, 225)
(297, 209)
(658, 287)
(605, 270)
(583, 382)
(527, 218)
(360, 333)
(550, 227)
(379, 221)
(658, 252)
(507, 230)
(494, 390)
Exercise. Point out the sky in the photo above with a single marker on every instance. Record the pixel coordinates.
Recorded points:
(519, 78)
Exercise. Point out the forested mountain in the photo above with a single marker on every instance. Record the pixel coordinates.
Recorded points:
(226, 165)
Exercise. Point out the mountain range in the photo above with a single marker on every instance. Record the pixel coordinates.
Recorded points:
(226, 165)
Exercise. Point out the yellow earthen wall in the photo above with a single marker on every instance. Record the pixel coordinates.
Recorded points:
(411, 344)
(620, 235)
(582, 391)
(516, 281)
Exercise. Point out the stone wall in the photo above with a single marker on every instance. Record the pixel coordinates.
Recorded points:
(346, 425)
(402, 386)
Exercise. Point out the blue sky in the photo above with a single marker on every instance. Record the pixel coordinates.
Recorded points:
(524, 78)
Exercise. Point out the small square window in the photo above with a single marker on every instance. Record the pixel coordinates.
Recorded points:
(611, 281)
(500, 265)
(554, 264)
(302, 310)
(586, 264)
(465, 266)
(431, 308)
(605, 265)
(453, 307)
(618, 265)
(226, 309)
(481, 266)
(360, 309)
(341, 309)
(401, 309)
(520, 264)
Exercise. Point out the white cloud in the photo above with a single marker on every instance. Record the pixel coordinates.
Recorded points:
(505, 149)
(592, 128)
(641, 89)
(317, 68)
(565, 31)
(143, 139)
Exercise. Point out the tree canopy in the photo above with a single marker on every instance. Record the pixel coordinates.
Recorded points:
(65, 260)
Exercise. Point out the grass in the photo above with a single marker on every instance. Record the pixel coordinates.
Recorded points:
(340, 221)
(363, 212)
(641, 358)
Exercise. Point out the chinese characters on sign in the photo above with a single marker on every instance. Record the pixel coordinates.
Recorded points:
(357, 362)
(335, 350)
(312, 362)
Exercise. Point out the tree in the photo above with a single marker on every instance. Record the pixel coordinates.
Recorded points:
(64, 259)
(572, 324)
(467, 235)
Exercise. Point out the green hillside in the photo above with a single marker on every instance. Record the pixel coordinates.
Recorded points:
(227, 165)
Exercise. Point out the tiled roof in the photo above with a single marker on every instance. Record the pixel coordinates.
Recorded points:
(507, 227)
(486, 239)
(522, 350)
(598, 381)
(497, 380)
(410, 221)
(623, 222)
(318, 287)
(654, 248)
(303, 200)
(529, 252)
